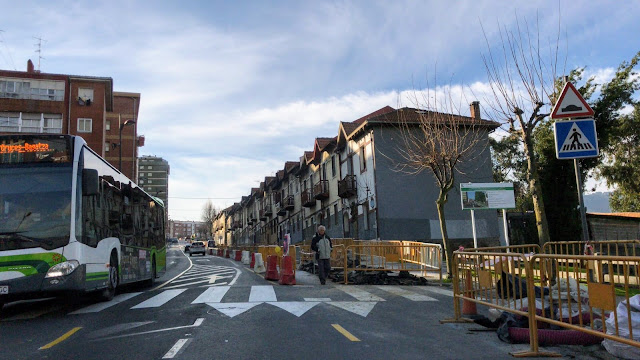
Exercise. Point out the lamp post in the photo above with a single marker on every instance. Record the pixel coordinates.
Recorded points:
(128, 122)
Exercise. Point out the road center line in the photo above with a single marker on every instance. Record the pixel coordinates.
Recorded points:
(344, 332)
(176, 348)
(61, 338)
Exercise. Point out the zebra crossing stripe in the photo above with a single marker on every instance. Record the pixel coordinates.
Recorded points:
(107, 304)
(396, 290)
(359, 294)
(437, 290)
(159, 299)
(212, 295)
(262, 293)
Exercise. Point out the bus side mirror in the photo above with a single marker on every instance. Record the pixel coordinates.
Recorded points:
(90, 183)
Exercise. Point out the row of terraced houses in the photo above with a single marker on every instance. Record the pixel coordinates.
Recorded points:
(349, 184)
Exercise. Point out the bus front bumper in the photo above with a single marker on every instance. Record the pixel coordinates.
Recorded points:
(37, 286)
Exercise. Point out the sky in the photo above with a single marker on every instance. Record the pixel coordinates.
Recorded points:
(230, 90)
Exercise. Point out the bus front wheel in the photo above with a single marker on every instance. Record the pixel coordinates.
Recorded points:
(112, 283)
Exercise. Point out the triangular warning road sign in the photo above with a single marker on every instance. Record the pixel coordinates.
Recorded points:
(576, 141)
(570, 104)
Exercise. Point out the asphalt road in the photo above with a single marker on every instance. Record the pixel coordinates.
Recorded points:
(216, 308)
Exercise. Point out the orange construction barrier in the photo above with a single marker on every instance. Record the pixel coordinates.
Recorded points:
(253, 260)
(272, 268)
(287, 276)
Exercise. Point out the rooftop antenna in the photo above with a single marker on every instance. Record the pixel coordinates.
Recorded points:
(39, 50)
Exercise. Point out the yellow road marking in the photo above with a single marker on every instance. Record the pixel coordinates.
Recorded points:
(61, 338)
(344, 332)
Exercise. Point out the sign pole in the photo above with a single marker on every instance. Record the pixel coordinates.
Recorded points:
(506, 229)
(473, 226)
(583, 215)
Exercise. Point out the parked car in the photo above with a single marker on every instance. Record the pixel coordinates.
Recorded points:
(197, 247)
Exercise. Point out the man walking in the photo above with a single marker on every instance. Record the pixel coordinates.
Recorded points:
(322, 245)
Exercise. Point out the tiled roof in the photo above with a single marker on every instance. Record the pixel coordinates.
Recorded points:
(349, 127)
(411, 115)
(633, 215)
(308, 155)
(290, 165)
(323, 142)
(384, 110)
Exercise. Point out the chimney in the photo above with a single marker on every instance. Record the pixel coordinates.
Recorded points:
(475, 110)
(30, 68)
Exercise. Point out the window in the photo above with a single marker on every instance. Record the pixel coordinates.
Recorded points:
(333, 166)
(84, 125)
(149, 167)
(328, 218)
(107, 146)
(53, 123)
(335, 212)
(31, 123)
(141, 181)
(149, 174)
(9, 122)
(107, 125)
(363, 160)
(85, 94)
(150, 181)
(365, 210)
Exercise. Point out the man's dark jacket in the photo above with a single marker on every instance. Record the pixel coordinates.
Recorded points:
(314, 243)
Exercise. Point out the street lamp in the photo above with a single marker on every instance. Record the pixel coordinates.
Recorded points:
(128, 122)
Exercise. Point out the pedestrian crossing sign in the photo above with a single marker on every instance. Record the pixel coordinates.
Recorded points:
(576, 139)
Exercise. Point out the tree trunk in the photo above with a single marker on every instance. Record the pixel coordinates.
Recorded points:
(536, 191)
(448, 251)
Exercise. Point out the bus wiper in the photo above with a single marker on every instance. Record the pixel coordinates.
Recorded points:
(26, 215)
(12, 235)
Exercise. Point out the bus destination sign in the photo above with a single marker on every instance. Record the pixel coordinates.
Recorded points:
(34, 149)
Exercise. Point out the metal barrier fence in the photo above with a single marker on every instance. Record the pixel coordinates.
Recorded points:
(604, 247)
(393, 256)
(575, 292)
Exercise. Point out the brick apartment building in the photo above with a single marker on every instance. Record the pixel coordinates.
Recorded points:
(87, 106)
(185, 229)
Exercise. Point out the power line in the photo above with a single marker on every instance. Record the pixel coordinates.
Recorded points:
(2, 40)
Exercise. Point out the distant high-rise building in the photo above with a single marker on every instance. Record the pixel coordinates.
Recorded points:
(153, 177)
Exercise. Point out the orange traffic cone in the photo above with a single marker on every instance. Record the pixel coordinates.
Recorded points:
(469, 307)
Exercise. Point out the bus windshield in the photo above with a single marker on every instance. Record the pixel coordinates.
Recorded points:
(35, 207)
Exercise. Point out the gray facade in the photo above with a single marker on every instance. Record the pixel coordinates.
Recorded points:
(153, 177)
(406, 203)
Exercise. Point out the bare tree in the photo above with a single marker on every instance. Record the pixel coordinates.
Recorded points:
(440, 142)
(209, 213)
(522, 82)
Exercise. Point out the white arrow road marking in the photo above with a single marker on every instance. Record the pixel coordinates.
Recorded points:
(197, 323)
(176, 349)
(359, 294)
(262, 293)
(233, 309)
(396, 290)
(116, 329)
(103, 305)
(357, 307)
(297, 308)
(212, 295)
(159, 299)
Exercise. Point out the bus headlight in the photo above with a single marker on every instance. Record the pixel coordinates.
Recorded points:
(62, 269)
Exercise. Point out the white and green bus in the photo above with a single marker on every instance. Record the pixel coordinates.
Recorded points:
(71, 222)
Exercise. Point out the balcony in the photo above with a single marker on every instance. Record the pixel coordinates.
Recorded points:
(288, 203)
(252, 218)
(321, 190)
(266, 207)
(280, 210)
(307, 199)
(347, 187)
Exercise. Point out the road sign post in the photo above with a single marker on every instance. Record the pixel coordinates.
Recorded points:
(575, 139)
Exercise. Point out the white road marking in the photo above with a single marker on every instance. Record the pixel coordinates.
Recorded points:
(103, 305)
(197, 323)
(159, 299)
(396, 290)
(437, 290)
(297, 308)
(177, 276)
(362, 308)
(317, 299)
(233, 309)
(116, 329)
(212, 295)
(176, 348)
(262, 293)
(359, 294)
